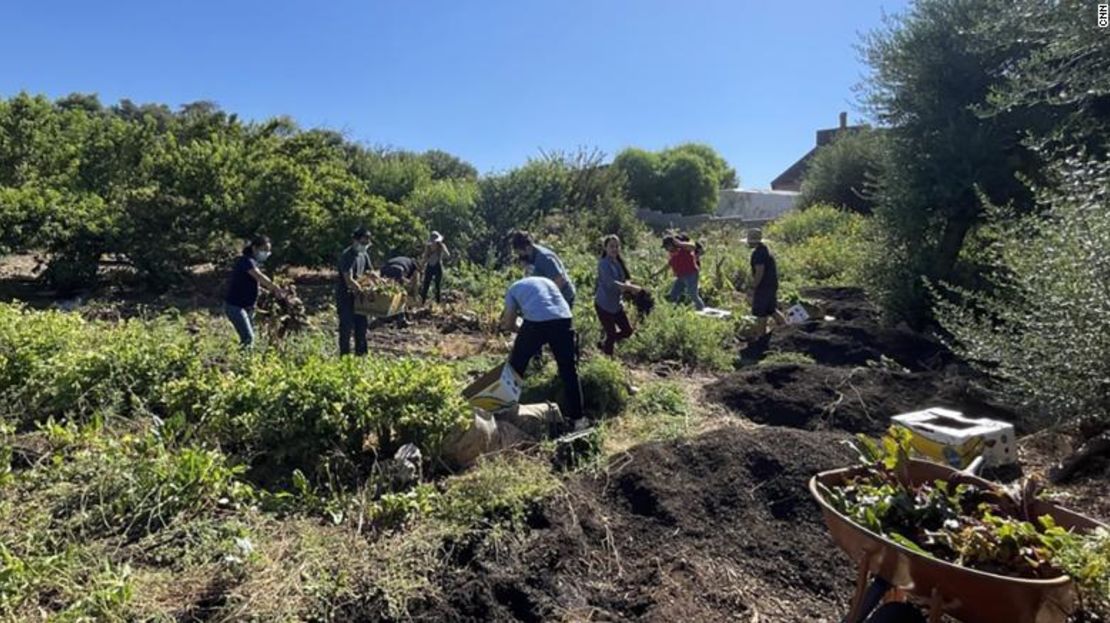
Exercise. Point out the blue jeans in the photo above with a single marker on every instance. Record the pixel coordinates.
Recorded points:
(240, 318)
(689, 283)
(350, 322)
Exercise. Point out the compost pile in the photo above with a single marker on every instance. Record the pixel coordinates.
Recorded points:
(987, 529)
(719, 528)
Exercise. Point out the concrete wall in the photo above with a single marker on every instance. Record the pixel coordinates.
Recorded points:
(750, 207)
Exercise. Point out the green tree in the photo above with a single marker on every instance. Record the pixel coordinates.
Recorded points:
(932, 70)
(687, 184)
(445, 166)
(1042, 331)
(641, 169)
(843, 173)
(449, 206)
(726, 175)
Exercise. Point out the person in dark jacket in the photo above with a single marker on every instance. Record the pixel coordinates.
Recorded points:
(354, 263)
(242, 288)
(400, 269)
(765, 283)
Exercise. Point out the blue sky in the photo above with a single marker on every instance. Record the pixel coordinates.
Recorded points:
(492, 81)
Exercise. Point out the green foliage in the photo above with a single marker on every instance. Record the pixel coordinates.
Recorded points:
(819, 246)
(932, 71)
(604, 387)
(449, 207)
(684, 179)
(964, 524)
(844, 172)
(167, 190)
(445, 166)
(660, 411)
(1042, 328)
(678, 334)
(501, 488)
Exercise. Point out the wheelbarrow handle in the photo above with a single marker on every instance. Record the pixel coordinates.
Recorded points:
(869, 602)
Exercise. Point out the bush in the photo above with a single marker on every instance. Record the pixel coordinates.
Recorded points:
(604, 387)
(678, 334)
(449, 207)
(819, 246)
(1044, 330)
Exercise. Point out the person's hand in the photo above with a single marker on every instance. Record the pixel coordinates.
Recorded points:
(356, 286)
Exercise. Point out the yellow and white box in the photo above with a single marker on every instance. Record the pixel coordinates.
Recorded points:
(497, 389)
(952, 438)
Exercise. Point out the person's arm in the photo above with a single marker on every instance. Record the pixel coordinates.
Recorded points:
(508, 319)
(445, 253)
(682, 244)
(264, 281)
(757, 276)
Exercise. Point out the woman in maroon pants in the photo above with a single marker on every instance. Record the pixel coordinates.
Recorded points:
(612, 281)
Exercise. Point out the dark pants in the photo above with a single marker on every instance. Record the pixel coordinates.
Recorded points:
(350, 322)
(432, 272)
(616, 327)
(560, 336)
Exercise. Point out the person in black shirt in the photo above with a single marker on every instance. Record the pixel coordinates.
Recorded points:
(765, 283)
(242, 288)
(354, 263)
(400, 269)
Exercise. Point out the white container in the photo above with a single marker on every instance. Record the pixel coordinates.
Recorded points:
(950, 437)
(796, 315)
(497, 389)
(713, 312)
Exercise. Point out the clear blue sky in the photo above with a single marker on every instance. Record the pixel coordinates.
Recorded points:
(491, 81)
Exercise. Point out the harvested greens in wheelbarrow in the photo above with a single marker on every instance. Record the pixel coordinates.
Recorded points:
(971, 524)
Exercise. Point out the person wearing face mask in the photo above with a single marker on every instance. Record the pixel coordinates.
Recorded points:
(539, 261)
(354, 263)
(242, 289)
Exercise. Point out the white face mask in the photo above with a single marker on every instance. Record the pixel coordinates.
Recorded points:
(261, 256)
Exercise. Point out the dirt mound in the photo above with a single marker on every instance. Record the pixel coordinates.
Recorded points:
(843, 303)
(816, 397)
(709, 530)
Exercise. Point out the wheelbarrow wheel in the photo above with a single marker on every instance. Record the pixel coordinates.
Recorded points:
(897, 613)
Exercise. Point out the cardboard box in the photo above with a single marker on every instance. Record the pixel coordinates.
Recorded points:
(497, 389)
(379, 304)
(796, 315)
(951, 438)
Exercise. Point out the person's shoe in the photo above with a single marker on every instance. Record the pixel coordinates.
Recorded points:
(581, 424)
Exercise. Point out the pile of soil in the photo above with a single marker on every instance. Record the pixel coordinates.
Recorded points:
(720, 528)
(857, 400)
(853, 337)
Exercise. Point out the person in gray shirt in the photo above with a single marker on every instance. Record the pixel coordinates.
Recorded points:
(354, 263)
(539, 261)
(613, 280)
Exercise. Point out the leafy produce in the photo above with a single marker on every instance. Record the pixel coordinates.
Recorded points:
(987, 529)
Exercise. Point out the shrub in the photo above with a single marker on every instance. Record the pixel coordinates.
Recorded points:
(604, 387)
(776, 358)
(449, 207)
(1043, 331)
(819, 246)
(678, 334)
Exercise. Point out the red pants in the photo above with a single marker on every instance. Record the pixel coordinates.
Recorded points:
(616, 327)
